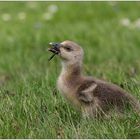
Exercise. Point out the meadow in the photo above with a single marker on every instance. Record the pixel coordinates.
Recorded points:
(30, 105)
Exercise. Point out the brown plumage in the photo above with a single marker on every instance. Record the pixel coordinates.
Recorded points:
(90, 95)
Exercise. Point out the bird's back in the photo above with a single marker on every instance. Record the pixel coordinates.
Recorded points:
(108, 95)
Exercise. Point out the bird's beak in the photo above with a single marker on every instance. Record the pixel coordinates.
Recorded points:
(55, 48)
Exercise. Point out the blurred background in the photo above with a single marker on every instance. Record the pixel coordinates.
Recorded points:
(109, 33)
(106, 30)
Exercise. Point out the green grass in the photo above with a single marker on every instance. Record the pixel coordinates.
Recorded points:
(29, 105)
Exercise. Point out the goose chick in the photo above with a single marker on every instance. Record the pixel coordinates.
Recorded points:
(90, 95)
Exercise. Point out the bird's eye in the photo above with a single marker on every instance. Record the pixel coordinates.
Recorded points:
(68, 49)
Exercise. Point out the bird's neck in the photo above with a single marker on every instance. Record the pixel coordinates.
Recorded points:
(71, 70)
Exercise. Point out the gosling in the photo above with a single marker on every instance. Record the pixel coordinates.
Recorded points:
(92, 96)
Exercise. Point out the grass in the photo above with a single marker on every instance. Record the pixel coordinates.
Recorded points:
(30, 107)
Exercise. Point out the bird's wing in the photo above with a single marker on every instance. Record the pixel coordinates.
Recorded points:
(85, 92)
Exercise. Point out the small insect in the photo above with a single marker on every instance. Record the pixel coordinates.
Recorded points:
(54, 48)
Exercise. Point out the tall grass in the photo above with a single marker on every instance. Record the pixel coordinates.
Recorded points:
(30, 105)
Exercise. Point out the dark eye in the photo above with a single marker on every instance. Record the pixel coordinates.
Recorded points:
(68, 48)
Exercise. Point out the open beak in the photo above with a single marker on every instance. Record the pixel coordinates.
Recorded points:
(54, 49)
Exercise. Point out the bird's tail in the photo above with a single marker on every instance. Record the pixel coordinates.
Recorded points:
(135, 104)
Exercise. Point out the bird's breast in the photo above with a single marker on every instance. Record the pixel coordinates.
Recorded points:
(67, 90)
(62, 86)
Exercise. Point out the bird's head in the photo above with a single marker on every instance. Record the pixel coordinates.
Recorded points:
(69, 51)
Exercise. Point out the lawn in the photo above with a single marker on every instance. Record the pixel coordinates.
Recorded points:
(30, 105)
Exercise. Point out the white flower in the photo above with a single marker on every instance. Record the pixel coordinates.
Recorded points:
(31, 4)
(22, 15)
(38, 25)
(125, 22)
(136, 24)
(112, 3)
(10, 39)
(52, 8)
(47, 16)
(6, 17)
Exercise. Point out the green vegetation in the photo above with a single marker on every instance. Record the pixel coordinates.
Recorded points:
(30, 106)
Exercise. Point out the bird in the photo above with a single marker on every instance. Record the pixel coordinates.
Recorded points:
(93, 97)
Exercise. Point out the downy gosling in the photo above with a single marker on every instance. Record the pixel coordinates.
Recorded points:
(92, 96)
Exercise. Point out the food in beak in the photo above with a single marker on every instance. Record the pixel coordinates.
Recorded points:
(54, 49)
